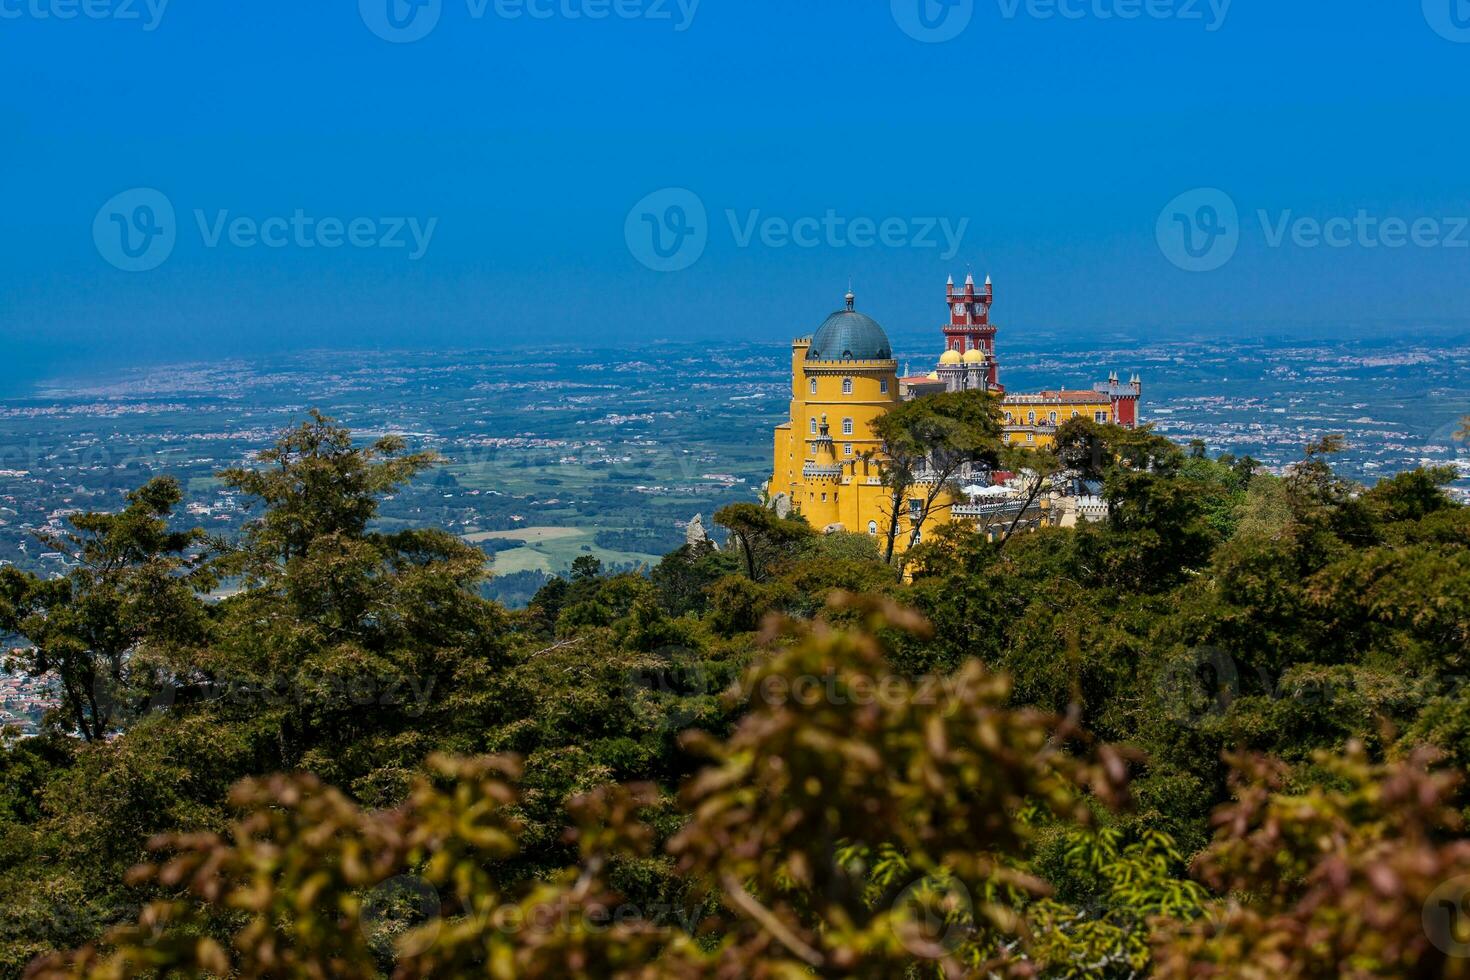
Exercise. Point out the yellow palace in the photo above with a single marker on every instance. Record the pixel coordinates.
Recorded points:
(844, 376)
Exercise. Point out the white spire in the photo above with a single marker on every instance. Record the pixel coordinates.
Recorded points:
(969, 279)
(951, 281)
(987, 280)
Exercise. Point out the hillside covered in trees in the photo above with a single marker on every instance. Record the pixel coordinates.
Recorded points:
(1221, 734)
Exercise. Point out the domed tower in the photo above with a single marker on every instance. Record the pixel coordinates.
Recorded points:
(842, 378)
(952, 370)
(977, 369)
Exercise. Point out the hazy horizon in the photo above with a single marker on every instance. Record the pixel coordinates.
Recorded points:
(207, 181)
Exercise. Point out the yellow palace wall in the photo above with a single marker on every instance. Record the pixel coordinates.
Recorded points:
(1031, 421)
(845, 488)
(827, 478)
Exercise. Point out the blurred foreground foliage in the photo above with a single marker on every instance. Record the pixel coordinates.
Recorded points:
(1220, 734)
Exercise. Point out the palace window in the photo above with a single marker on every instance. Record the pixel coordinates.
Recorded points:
(813, 386)
(873, 528)
(847, 386)
(847, 449)
(814, 425)
(1031, 418)
(1053, 416)
(883, 386)
(916, 508)
(1099, 416)
(847, 427)
(1009, 420)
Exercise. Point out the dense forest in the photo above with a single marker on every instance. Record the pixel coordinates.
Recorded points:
(1221, 733)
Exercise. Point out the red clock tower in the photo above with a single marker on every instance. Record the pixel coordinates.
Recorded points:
(969, 326)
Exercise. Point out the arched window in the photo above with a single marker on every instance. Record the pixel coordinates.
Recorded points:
(847, 386)
(812, 386)
(873, 528)
(847, 427)
(1031, 418)
(814, 425)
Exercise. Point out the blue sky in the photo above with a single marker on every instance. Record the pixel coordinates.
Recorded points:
(1055, 137)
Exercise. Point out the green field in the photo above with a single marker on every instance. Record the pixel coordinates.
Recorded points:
(552, 549)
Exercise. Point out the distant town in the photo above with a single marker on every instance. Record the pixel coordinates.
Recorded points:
(612, 452)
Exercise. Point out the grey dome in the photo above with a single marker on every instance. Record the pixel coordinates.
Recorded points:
(850, 336)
